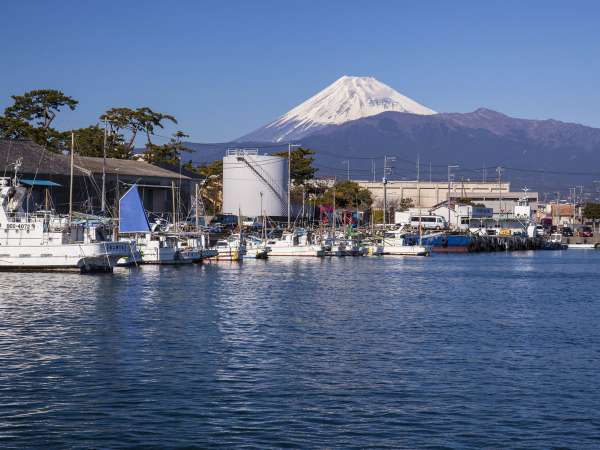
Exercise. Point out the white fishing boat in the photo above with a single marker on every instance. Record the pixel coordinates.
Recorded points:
(256, 248)
(403, 244)
(353, 248)
(45, 241)
(583, 246)
(296, 244)
(337, 248)
(372, 249)
(193, 248)
(231, 249)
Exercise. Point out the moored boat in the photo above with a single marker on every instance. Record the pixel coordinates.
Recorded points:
(403, 244)
(45, 241)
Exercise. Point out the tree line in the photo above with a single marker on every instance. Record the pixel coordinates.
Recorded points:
(33, 115)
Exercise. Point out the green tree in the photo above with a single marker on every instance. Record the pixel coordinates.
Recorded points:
(89, 141)
(591, 211)
(212, 188)
(212, 169)
(301, 164)
(169, 153)
(348, 194)
(11, 128)
(135, 122)
(31, 116)
(405, 204)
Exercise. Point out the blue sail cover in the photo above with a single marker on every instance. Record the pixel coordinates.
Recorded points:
(133, 217)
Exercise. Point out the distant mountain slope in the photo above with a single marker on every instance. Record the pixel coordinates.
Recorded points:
(472, 140)
(348, 98)
(361, 119)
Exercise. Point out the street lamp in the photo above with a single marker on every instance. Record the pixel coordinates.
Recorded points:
(450, 176)
(289, 204)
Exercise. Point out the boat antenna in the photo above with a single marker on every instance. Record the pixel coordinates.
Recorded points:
(18, 163)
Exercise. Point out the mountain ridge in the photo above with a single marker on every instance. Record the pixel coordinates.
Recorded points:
(348, 98)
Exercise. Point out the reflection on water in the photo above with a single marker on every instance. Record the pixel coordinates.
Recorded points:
(487, 350)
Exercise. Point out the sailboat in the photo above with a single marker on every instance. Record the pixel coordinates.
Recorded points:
(154, 247)
(45, 241)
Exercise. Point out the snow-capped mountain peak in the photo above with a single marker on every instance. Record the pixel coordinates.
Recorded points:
(348, 98)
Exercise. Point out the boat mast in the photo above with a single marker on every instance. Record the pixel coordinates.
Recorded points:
(289, 206)
(333, 213)
(174, 212)
(103, 206)
(196, 210)
(71, 179)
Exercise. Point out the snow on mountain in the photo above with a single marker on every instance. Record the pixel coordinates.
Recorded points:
(348, 98)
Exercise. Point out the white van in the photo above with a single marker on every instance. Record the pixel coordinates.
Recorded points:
(429, 221)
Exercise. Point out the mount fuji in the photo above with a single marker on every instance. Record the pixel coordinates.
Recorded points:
(347, 99)
(360, 119)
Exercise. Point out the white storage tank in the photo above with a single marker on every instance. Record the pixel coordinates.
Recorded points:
(251, 180)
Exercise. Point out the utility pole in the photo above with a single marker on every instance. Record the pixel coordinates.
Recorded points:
(347, 162)
(373, 169)
(289, 190)
(499, 170)
(557, 209)
(418, 176)
(303, 194)
(450, 175)
(387, 170)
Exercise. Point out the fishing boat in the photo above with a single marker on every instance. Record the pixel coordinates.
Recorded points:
(397, 242)
(230, 249)
(256, 248)
(45, 241)
(583, 246)
(295, 244)
(155, 247)
(447, 243)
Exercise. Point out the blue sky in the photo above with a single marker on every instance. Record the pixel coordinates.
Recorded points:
(225, 68)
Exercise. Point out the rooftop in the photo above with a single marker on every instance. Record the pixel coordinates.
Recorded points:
(36, 160)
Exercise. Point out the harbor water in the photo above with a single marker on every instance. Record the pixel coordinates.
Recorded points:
(453, 351)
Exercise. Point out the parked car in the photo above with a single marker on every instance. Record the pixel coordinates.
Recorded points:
(567, 232)
(540, 230)
(586, 231)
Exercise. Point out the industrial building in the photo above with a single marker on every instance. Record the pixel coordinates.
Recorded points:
(254, 184)
(429, 194)
(157, 184)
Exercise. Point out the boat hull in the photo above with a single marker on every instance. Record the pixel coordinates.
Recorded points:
(405, 250)
(297, 252)
(92, 257)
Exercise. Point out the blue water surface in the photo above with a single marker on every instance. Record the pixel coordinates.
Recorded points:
(452, 351)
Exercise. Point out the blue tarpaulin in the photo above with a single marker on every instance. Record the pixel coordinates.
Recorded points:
(45, 183)
(132, 216)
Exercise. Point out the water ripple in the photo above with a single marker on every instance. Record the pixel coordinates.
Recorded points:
(478, 351)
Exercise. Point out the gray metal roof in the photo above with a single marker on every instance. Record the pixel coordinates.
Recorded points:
(131, 167)
(34, 159)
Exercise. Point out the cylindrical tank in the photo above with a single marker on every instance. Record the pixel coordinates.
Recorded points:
(251, 180)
